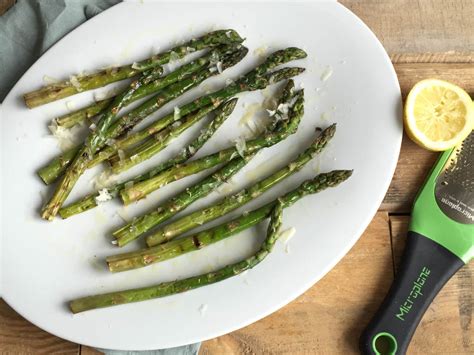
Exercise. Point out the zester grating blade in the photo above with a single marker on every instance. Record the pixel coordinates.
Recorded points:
(454, 190)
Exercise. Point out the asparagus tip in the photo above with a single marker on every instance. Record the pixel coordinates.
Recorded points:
(298, 52)
(233, 35)
(339, 176)
(329, 132)
(235, 57)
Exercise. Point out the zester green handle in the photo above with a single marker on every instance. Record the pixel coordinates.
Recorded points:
(425, 267)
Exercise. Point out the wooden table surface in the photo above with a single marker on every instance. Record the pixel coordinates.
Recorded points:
(425, 38)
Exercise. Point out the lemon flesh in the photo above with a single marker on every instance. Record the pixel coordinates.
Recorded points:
(438, 114)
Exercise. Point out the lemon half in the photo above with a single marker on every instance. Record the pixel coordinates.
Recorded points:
(438, 115)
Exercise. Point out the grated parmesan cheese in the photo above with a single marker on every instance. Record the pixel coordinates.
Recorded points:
(283, 108)
(219, 67)
(287, 234)
(271, 112)
(64, 136)
(48, 80)
(104, 196)
(214, 58)
(103, 180)
(261, 52)
(75, 82)
(254, 118)
(326, 74)
(177, 113)
(241, 146)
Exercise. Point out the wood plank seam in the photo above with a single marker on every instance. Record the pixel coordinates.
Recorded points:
(449, 57)
(391, 242)
(465, 283)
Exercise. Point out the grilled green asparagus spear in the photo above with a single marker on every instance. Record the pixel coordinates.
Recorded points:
(53, 170)
(74, 170)
(168, 134)
(183, 199)
(248, 82)
(94, 141)
(145, 187)
(174, 287)
(73, 118)
(90, 201)
(57, 166)
(178, 247)
(179, 202)
(254, 80)
(97, 138)
(84, 114)
(151, 146)
(70, 87)
(251, 81)
(149, 152)
(233, 202)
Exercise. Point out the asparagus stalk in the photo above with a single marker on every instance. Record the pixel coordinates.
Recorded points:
(174, 287)
(84, 114)
(233, 202)
(57, 166)
(53, 170)
(99, 136)
(256, 79)
(175, 90)
(167, 135)
(71, 119)
(83, 161)
(178, 203)
(75, 169)
(94, 141)
(215, 98)
(83, 83)
(90, 201)
(175, 248)
(145, 187)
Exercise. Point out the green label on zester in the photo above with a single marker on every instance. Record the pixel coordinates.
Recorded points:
(416, 291)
